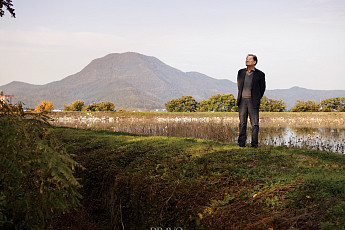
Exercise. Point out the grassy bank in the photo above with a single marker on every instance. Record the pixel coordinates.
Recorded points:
(138, 182)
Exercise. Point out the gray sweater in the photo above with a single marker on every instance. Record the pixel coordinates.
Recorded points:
(247, 87)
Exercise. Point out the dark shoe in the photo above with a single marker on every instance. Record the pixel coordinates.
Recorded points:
(255, 146)
(242, 146)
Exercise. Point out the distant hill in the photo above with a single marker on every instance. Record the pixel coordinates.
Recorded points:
(137, 82)
(290, 96)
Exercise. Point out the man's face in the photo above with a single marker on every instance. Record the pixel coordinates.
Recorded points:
(250, 61)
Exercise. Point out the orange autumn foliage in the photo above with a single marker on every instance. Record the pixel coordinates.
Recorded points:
(44, 106)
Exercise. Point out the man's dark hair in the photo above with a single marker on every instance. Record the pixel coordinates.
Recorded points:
(254, 57)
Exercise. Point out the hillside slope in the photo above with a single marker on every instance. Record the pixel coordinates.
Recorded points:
(129, 80)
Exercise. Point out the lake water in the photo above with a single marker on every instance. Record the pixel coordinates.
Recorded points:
(325, 139)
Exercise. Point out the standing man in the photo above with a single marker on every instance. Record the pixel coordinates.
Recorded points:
(251, 87)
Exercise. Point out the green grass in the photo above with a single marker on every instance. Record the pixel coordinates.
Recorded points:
(138, 182)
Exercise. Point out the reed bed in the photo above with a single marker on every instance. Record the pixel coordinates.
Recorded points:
(283, 119)
(322, 131)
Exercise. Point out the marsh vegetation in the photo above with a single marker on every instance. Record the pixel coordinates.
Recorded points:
(321, 131)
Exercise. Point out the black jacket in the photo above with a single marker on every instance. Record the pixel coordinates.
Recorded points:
(258, 86)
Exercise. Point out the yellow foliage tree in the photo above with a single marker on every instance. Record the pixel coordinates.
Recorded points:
(44, 106)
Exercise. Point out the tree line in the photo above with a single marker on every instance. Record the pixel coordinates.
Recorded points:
(335, 104)
(227, 103)
(78, 105)
(219, 103)
(215, 103)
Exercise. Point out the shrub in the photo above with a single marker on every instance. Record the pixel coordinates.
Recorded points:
(77, 105)
(271, 105)
(219, 103)
(333, 104)
(102, 106)
(44, 106)
(305, 106)
(36, 172)
(182, 104)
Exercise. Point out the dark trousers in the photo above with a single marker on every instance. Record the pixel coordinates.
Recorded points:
(245, 109)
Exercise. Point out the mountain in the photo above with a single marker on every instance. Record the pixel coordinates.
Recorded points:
(135, 81)
(129, 80)
(290, 96)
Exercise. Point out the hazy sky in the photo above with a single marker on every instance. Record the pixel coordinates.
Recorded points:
(298, 42)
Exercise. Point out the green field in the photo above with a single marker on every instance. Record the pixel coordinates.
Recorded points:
(139, 182)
